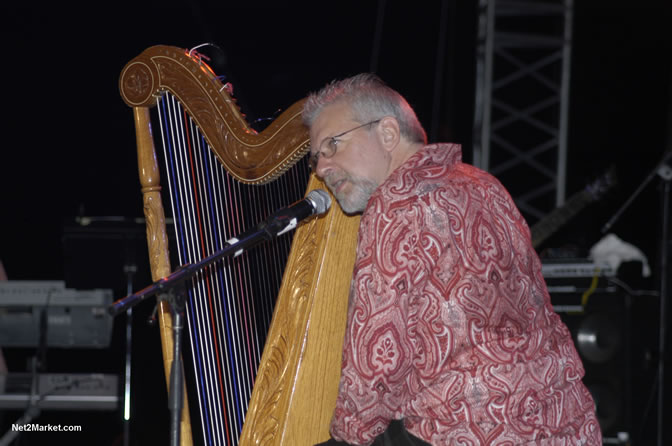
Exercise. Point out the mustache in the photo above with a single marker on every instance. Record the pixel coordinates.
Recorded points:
(333, 178)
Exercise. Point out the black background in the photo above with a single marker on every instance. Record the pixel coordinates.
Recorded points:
(68, 147)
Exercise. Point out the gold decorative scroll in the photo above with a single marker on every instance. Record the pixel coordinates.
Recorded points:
(249, 156)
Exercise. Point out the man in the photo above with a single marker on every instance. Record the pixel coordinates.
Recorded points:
(450, 326)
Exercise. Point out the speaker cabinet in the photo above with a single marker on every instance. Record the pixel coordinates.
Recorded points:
(601, 326)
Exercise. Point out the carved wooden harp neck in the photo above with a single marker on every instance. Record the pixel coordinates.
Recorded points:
(251, 157)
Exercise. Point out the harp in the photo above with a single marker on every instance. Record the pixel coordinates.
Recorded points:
(294, 387)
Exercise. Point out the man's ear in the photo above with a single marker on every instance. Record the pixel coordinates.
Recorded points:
(388, 132)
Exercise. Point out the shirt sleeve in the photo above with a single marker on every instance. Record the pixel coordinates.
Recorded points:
(393, 259)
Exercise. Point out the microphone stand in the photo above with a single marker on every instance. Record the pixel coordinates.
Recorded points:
(173, 290)
(664, 171)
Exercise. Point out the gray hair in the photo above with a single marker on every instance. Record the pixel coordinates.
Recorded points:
(370, 99)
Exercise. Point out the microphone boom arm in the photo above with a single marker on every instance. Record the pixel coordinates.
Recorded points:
(316, 203)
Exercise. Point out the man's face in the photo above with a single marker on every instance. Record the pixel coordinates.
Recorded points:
(357, 166)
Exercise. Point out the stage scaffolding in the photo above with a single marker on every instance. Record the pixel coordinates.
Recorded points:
(522, 99)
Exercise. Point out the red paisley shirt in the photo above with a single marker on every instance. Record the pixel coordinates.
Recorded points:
(450, 325)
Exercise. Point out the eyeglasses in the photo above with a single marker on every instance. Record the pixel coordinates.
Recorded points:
(328, 147)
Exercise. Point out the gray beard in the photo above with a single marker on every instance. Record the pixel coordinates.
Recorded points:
(355, 202)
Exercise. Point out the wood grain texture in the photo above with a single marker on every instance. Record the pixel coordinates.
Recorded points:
(297, 383)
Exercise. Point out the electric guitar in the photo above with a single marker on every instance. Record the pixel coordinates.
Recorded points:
(548, 225)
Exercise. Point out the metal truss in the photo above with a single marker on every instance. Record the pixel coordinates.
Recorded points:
(522, 99)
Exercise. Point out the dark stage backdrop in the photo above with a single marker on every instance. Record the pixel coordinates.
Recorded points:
(68, 147)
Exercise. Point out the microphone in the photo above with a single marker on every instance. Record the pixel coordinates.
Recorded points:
(317, 202)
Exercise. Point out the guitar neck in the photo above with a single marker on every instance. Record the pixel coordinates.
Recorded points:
(548, 225)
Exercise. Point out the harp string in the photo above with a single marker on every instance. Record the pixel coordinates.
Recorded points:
(215, 411)
(224, 331)
(230, 303)
(227, 379)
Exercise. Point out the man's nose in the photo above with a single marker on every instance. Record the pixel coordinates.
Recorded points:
(323, 166)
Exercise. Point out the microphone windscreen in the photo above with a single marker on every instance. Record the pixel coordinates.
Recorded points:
(321, 199)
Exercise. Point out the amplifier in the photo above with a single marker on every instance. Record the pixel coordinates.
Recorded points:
(597, 314)
(72, 318)
(59, 391)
